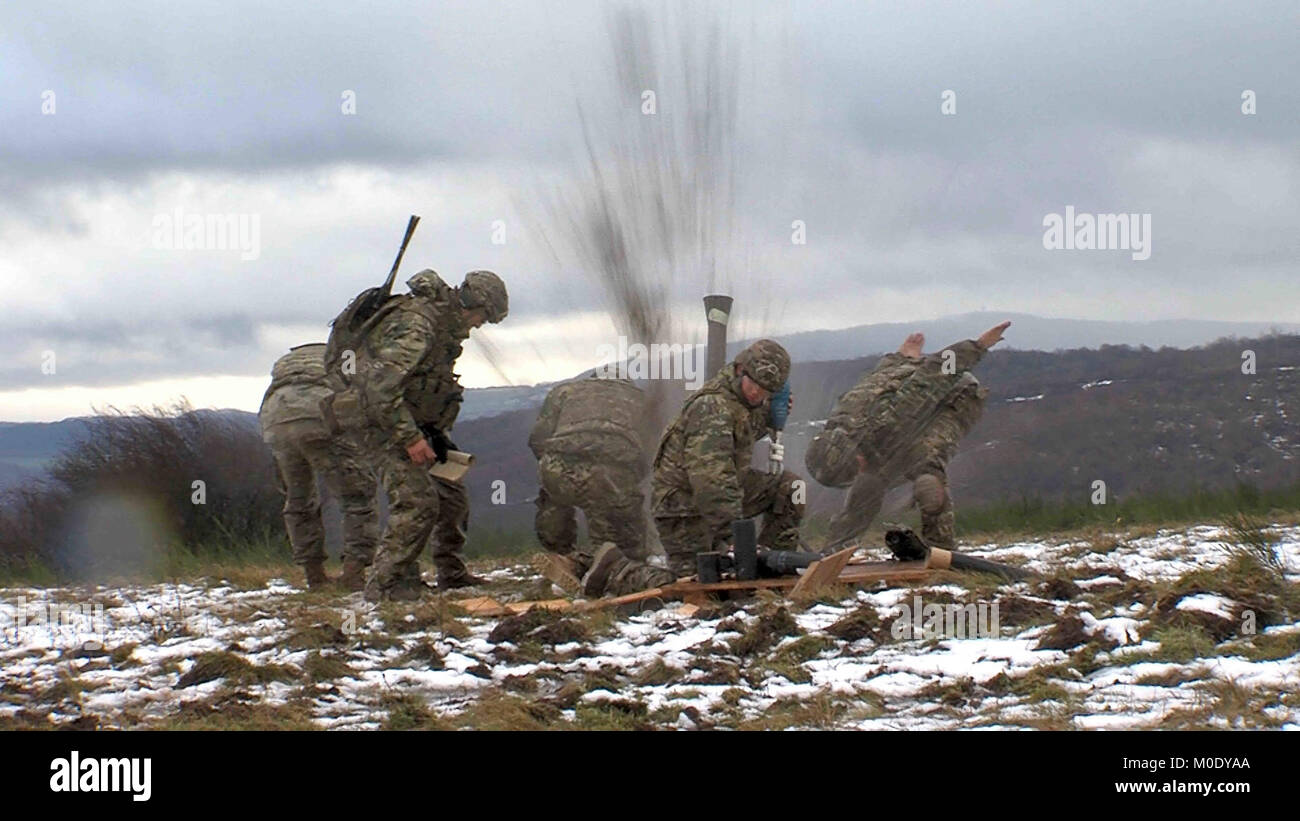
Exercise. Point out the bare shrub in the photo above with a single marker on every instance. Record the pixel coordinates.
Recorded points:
(137, 484)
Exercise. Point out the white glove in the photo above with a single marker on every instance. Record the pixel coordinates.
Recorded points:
(776, 456)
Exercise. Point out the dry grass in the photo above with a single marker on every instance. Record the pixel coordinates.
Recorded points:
(409, 712)
(822, 711)
(233, 709)
(508, 712)
(235, 669)
(320, 667)
(1224, 704)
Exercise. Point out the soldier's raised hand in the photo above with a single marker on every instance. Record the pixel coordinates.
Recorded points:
(912, 346)
(420, 451)
(993, 335)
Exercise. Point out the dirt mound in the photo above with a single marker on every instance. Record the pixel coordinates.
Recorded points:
(769, 628)
(1066, 634)
(1016, 611)
(539, 625)
(860, 624)
(1058, 588)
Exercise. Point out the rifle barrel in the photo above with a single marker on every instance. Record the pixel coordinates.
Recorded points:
(401, 252)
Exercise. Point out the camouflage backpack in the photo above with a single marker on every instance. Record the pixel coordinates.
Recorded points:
(345, 408)
(290, 410)
(348, 329)
(898, 418)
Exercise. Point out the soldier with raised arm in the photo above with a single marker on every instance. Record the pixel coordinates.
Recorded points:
(902, 423)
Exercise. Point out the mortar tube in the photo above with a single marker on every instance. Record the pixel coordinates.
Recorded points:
(717, 310)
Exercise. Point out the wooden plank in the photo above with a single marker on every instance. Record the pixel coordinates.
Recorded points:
(697, 599)
(617, 601)
(732, 584)
(557, 569)
(884, 571)
(545, 604)
(823, 572)
(482, 606)
(696, 594)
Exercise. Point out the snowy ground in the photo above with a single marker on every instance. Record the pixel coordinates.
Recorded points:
(1127, 635)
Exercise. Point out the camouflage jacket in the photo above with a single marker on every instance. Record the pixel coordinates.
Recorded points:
(900, 389)
(291, 403)
(596, 419)
(404, 369)
(705, 451)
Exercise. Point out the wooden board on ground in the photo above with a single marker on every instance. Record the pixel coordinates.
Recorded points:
(884, 572)
(858, 574)
(834, 569)
(482, 606)
(557, 570)
(822, 572)
(547, 604)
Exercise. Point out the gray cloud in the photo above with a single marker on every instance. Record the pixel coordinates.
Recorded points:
(466, 112)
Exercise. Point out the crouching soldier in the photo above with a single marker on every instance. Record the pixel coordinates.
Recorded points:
(702, 478)
(305, 454)
(902, 423)
(589, 444)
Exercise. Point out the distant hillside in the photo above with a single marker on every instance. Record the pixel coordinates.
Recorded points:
(34, 442)
(1140, 420)
(484, 402)
(1028, 333)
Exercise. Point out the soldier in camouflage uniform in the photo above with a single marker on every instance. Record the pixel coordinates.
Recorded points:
(902, 422)
(409, 397)
(305, 453)
(702, 478)
(588, 441)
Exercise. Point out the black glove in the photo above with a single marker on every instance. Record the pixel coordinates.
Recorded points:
(439, 442)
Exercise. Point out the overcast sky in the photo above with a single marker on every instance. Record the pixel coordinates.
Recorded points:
(115, 116)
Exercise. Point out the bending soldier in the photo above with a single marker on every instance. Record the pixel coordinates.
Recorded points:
(902, 422)
(590, 455)
(404, 397)
(305, 455)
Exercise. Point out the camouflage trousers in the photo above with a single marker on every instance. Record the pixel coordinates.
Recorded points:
(610, 497)
(626, 576)
(421, 510)
(771, 495)
(339, 466)
(926, 467)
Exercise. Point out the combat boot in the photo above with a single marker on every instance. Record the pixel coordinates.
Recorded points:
(607, 559)
(316, 576)
(466, 579)
(398, 590)
(354, 576)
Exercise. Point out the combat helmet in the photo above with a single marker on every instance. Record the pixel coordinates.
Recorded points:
(767, 363)
(484, 289)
